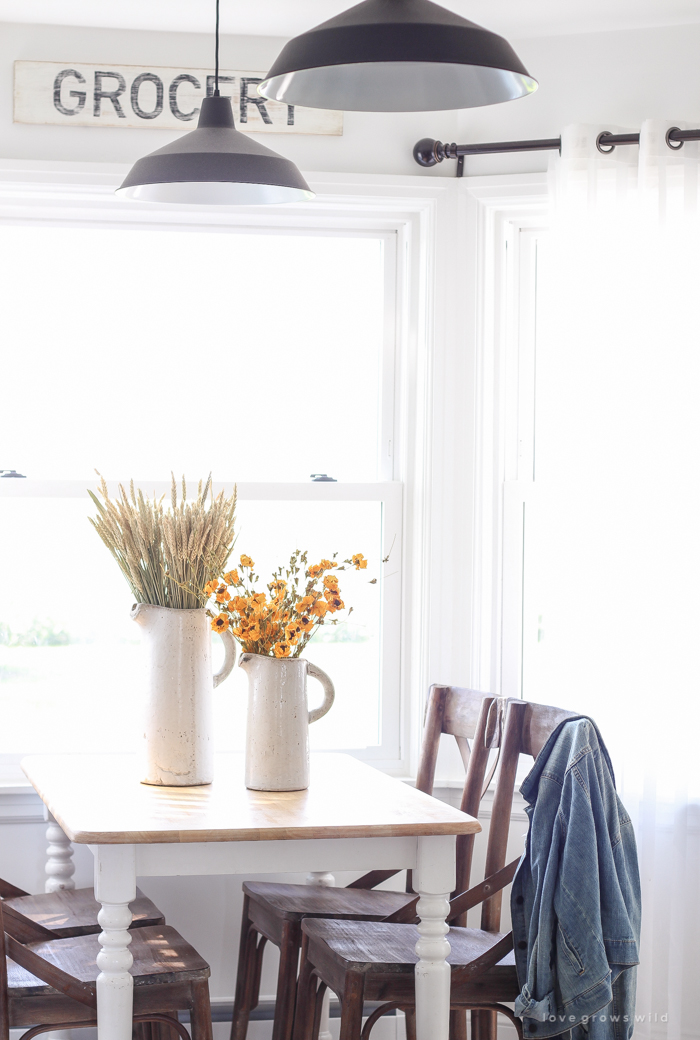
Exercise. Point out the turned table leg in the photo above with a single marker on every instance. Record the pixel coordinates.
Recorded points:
(59, 857)
(434, 880)
(115, 888)
(326, 880)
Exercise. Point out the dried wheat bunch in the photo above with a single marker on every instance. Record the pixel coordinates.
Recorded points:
(167, 555)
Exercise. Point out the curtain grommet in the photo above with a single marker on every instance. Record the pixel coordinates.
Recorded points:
(599, 141)
(675, 147)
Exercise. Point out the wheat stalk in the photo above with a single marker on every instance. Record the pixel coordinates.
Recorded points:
(167, 557)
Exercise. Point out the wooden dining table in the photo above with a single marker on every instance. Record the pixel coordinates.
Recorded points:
(352, 818)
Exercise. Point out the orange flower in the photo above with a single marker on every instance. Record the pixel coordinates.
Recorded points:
(306, 623)
(359, 561)
(319, 568)
(335, 603)
(232, 578)
(258, 603)
(293, 631)
(211, 587)
(220, 623)
(246, 561)
(331, 582)
(282, 649)
(239, 603)
(222, 594)
(319, 608)
(305, 603)
(278, 588)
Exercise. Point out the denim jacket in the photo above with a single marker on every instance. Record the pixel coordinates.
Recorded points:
(575, 900)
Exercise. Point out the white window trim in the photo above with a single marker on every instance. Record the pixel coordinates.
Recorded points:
(500, 208)
(426, 216)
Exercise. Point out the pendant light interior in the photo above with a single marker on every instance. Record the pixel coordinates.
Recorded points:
(216, 193)
(405, 86)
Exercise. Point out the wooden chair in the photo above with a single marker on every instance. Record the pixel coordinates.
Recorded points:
(48, 983)
(274, 912)
(335, 953)
(71, 912)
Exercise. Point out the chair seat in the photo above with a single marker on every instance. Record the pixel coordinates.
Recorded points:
(72, 912)
(294, 902)
(391, 948)
(160, 955)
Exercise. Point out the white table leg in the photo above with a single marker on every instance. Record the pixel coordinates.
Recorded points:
(326, 880)
(115, 888)
(59, 858)
(434, 880)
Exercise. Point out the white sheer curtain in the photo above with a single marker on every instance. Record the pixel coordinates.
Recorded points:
(612, 535)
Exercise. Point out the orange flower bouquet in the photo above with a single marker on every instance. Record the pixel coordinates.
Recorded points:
(281, 621)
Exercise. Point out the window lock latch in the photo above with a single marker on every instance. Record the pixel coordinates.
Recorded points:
(322, 478)
(11, 473)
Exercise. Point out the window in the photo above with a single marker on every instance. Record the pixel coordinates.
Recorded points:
(264, 354)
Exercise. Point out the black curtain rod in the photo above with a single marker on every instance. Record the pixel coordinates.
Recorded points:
(428, 152)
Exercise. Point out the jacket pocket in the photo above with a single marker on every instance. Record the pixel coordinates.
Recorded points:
(570, 951)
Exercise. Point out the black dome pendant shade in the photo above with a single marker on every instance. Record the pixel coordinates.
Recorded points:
(397, 56)
(215, 165)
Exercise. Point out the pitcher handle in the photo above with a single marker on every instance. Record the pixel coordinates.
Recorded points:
(328, 690)
(229, 657)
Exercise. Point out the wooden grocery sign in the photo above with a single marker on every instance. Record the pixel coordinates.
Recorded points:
(133, 96)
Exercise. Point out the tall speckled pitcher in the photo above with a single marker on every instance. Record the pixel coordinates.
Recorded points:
(179, 741)
(277, 738)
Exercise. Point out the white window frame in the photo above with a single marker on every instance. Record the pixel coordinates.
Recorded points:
(507, 213)
(420, 216)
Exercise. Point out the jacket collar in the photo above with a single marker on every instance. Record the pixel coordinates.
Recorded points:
(571, 738)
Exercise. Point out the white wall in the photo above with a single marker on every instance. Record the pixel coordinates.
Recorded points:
(619, 78)
(370, 143)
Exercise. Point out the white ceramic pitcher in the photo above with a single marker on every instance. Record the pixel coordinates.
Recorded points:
(277, 738)
(178, 725)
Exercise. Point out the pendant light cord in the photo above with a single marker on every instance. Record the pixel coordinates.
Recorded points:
(216, 54)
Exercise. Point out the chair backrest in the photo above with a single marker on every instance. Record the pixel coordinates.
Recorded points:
(466, 715)
(525, 731)
(15, 931)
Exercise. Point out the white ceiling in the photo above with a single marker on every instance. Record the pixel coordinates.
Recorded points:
(512, 18)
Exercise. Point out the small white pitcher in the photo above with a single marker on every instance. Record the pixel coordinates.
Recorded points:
(277, 738)
(179, 711)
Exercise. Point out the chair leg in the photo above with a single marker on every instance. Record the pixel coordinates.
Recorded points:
(254, 995)
(490, 1025)
(200, 1013)
(248, 972)
(318, 1010)
(307, 986)
(352, 1006)
(480, 1025)
(458, 1025)
(410, 1024)
(285, 999)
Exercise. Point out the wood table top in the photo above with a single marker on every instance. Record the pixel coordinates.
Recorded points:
(98, 799)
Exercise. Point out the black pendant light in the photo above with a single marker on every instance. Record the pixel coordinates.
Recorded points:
(215, 164)
(397, 56)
